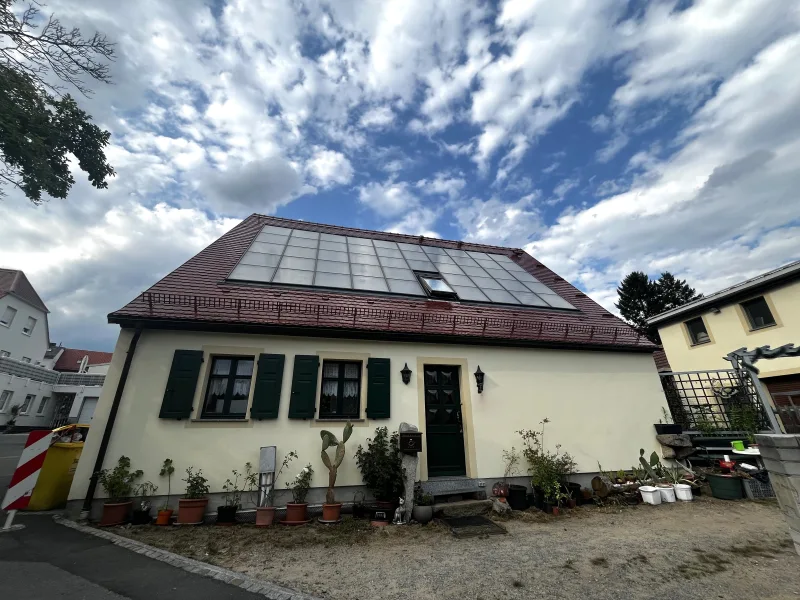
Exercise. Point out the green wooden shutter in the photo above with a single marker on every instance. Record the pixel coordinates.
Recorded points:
(181, 383)
(267, 392)
(302, 404)
(378, 384)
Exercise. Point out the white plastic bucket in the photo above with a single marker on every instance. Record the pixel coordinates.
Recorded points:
(667, 494)
(683, 492)
(650, 494)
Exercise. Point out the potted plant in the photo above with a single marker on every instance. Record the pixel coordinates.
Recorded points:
(192, 507)
(119, 486)
(332, 510)
(423, 506)
(165, 512)
(141, 512)
(666, 425)
(232, 498)
(265, 515)
(359, 509)
(296, 511)
(381, 469)
(549, 470)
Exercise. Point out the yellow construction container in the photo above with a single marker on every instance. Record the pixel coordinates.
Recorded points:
(55, 478)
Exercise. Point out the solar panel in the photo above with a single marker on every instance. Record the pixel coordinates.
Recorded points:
(308, 258)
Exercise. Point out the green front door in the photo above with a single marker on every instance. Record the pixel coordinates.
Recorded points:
(444, 432)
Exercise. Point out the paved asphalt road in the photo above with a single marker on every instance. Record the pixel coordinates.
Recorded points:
(47, 560)
(11, 446)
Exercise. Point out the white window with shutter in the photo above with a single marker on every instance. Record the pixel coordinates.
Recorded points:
(29, 325)
(26, 406)
(8, 316)
(5, 400)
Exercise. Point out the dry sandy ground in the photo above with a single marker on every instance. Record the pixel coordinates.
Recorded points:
(704, 549)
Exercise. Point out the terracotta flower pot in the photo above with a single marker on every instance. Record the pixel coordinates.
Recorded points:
(556, 511)
(296, 513)
(115, 513)
(332, 512)
(164, 516)
(191, 510)
(265, 515)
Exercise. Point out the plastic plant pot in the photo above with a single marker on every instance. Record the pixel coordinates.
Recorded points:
(265, 516)
(164, 516)
(683, 492)
(737, 445)
(650, 494)
(667, 494)
(725, 487)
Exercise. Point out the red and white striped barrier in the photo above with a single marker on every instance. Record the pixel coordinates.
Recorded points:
(24, 479)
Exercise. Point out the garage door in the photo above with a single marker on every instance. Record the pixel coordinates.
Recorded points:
(785, 392)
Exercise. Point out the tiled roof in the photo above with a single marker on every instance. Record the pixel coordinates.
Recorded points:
(13, 281)
(662, 363)
(197, 295)
(71, 358)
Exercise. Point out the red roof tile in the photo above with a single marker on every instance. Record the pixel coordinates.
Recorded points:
(197, 295)
(13, 281)
(662, 363)
(71, 358)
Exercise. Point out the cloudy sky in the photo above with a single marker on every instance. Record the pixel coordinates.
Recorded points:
(600, 137)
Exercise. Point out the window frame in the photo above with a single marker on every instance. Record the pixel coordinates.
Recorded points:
(693, 341)
(25, 330)
(10, 321)
(6, 400)
(27, 409)
(430, 292)
(749, 319)
(341, 379)
(42, 406)
(231, 377)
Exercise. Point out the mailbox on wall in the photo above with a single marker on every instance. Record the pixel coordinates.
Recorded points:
(410, 442)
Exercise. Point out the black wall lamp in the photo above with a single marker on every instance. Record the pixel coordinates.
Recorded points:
(406, 373)
(479, 375)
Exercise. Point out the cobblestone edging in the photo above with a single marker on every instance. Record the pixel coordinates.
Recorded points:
(251, 584)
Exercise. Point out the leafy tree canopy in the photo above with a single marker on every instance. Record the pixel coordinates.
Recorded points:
(41, 129)
(640, 299)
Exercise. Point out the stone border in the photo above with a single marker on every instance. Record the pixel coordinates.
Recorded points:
(250, 584)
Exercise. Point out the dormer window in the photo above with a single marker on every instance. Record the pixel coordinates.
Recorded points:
(435, 285)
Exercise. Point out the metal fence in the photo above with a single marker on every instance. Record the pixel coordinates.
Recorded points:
(712, 402)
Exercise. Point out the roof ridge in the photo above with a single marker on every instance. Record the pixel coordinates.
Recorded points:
(406, 236)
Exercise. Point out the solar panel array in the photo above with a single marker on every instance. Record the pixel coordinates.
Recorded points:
(309, 258)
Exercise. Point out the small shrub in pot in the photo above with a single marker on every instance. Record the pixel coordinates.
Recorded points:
(165, 512)
(192, 507)
(232, 499)
(141, 510)
(296, 511)
(381, 466)
(265, 515)
(119, 485)
(423, 506)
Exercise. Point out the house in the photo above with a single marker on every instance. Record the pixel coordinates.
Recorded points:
(764, 310)
(43, 379)
(282, 328)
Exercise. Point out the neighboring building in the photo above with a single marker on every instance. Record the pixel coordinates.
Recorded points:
(282, 328)
(764, 310)
(43, 379)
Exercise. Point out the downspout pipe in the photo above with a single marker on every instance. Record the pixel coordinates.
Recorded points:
(112, 416)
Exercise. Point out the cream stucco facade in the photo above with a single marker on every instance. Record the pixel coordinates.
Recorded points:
(601, 406)
(730, 330)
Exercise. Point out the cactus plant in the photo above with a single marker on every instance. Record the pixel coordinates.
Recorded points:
(328, 440)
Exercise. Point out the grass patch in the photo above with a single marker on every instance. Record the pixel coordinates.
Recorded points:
(704, 564)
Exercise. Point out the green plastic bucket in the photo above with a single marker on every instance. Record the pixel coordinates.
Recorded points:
(725, 487)
(737, 445)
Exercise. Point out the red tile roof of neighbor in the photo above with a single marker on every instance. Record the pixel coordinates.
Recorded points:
(13, 281)
(197, 296)
(661, 360)
(71, 358)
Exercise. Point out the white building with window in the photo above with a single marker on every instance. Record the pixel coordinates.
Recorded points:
(281, 329)
(50, 384)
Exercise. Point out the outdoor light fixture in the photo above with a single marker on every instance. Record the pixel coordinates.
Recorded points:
(479, 375)
(406, 373)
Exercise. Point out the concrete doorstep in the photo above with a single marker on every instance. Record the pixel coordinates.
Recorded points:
(250, 584)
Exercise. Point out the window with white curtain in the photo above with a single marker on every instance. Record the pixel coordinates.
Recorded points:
(228, 387)
(340, 396)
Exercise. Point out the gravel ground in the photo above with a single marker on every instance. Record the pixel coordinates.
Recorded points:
(704, 549)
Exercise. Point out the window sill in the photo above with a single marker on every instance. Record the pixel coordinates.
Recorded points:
(338, 420)
(27, 334)
(700, 343)
(763, 327)
(6, 325)
(244, 420)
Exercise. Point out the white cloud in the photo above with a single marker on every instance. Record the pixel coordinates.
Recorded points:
(328, 167)
(499, 223)
(377, 118)
(442, 184)
(612, 147)
(388, 199)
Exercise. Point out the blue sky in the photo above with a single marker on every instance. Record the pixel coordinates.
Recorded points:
(600, 136)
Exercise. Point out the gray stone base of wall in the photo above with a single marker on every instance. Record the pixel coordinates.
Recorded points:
(781, 455)
(256, 586)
